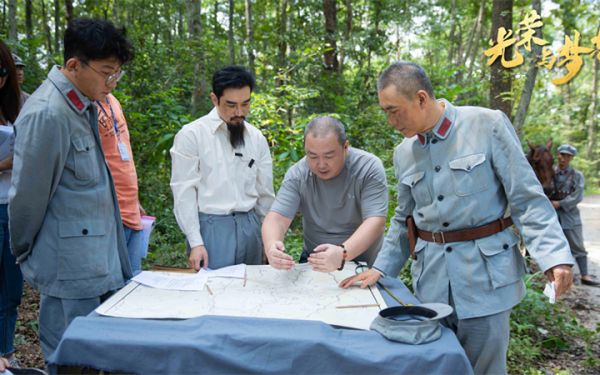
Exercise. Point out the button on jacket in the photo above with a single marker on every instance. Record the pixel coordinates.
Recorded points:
(211, 177)
(65, 225)
(466, 173)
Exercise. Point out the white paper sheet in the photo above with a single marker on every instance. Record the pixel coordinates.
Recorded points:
(237, 272)
(266, 293)
(172, 280)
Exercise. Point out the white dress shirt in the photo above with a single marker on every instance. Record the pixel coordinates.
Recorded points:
(208, 175)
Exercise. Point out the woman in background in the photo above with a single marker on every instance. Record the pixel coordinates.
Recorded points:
(11, 280)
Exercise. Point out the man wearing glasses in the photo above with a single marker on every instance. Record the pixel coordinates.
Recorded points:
(64, 219)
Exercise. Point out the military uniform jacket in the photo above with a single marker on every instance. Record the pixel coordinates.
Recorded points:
(465, 173)
(568, 213)
(64, 217)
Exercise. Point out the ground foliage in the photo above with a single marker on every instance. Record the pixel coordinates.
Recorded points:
(168, 83)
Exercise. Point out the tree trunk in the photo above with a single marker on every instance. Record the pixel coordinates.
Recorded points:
(330, 55)
(69, 10)
(28, 19)
(452, 37)
(195, 31)
(347, 34)
(531, 75)
(47, 33)
(56, 26)
(474, 37)
(3, 15)
(282, 44)
(250, 36)
(115, 10)
(12, 20)
(230, 34)
(500, 77)
(591, 130)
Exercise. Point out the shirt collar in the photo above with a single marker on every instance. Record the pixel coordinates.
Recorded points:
(76, 100)
(214, 120)
(563, 171)
(443, 127)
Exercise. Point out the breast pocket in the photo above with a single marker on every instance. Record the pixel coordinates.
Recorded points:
(247, 169)
(418, 188)
(85, 165)
(470, 174)
(79, 256)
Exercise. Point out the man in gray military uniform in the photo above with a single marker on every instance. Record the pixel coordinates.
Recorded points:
(458, 170)
(342, 195)
(569, 184)
(65, 225)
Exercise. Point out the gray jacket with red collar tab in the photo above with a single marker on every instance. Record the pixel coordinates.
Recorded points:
(463, 174)
(65, 225)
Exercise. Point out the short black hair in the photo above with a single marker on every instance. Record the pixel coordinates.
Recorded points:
(407, 77)
(231, 77)
(95, 39)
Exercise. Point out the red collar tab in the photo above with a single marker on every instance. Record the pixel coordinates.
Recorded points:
(422, 139)
(75, 99)
(442, 131)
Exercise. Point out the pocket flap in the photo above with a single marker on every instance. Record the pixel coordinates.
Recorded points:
(81, 228)
(493, 245)
(467, 163)
(82, 143)
(413, 178)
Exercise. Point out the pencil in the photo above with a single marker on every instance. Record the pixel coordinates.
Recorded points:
(357, 306)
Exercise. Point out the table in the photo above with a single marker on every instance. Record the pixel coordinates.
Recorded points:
(213, 344)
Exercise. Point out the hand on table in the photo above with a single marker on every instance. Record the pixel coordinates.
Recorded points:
(366, 279)
(278, 258)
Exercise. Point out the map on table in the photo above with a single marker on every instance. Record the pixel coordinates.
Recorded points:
(265, 293)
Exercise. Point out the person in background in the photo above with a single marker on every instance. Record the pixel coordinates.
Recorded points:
(11, 280)
(116, 145)
(569, 184)
(20, 76)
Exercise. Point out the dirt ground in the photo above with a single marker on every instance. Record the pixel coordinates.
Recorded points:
(584, 300)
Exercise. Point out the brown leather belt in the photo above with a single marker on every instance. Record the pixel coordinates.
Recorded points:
(466, 234)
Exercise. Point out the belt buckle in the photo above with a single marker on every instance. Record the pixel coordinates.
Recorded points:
(441, 236)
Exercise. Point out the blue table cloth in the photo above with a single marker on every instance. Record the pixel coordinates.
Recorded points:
(229, 345)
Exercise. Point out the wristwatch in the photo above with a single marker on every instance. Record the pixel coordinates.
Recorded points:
(344, 256)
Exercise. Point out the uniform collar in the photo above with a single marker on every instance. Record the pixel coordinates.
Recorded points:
(443, 127)
(563, 171)
(76, 100)
(214, 120)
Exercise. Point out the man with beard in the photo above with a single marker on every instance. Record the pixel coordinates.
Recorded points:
(222, 178)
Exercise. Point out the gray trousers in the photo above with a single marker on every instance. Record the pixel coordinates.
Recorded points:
(55, 316)
(484, 339)
(231, 239)
(575, 238)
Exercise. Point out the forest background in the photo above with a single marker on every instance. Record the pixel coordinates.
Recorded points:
(320, 57)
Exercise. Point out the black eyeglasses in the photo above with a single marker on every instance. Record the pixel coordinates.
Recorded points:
(3, 72)
(111, 78)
